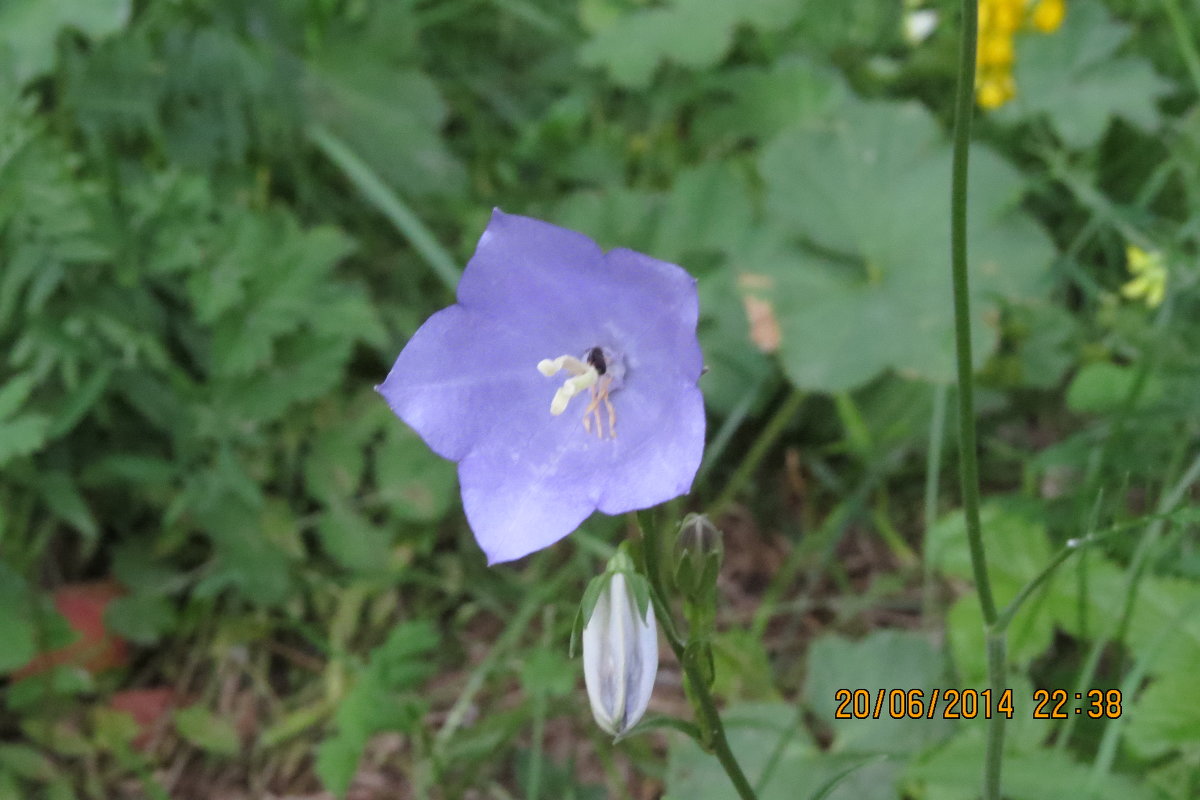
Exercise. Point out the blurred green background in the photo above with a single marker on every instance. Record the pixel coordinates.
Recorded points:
(227, 571)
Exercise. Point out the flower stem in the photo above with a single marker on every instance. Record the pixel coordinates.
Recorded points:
(709, 718)
(968, 458)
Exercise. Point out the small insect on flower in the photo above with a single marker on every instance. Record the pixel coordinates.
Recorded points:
(537, 300)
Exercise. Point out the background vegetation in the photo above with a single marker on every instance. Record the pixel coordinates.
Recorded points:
(219, 222)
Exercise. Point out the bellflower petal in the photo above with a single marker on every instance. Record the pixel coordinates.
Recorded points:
(469, 382)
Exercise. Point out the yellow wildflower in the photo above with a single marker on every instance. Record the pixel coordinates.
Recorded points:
(1048, 15)
(1149, 276)
(999, 22)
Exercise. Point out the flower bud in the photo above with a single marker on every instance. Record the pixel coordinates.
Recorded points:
(698, 554)
(620, 654)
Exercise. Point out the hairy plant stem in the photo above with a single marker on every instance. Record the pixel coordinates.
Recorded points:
(968, 458)
(707, 717)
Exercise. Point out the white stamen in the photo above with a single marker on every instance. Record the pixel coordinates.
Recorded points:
(586, 376)
(570, 388)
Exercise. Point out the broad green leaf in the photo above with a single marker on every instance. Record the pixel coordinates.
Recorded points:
(867, 286)
(883, 660)
(691, 33)
(1103, 388)
(29, 28)
(391, 117)
(1074, 78)
(207, 730)
(953, 771)
(1017, 550)
(757, 103)
(1164, 715)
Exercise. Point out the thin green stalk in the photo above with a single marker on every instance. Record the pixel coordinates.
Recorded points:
(1183, 37)
(766, 439)
(706, 709)
(933, 474)
(968, 459)
(1146, 548)
(389, 204)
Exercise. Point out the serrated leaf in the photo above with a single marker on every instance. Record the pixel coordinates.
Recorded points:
(870, 288)
(1074, 79)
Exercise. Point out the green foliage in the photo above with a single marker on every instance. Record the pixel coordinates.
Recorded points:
(196, 301)
(383, 698)
(1077, 80)
(838, 187)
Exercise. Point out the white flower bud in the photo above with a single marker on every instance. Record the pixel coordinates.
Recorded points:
(620, 657)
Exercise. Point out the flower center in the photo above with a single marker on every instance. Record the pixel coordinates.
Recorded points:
(600, 371)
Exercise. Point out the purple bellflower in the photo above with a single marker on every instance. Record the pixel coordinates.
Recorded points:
(563, 381)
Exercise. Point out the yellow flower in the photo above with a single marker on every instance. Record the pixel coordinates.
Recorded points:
(994, 91)
(995, 50)
(1149, 276)
(1048, 15)
(999, 21)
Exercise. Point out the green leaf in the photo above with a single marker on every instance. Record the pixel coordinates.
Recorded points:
(1074, 79)
(1024, 552)
(757, 103)
(884, 660)
(381, 700)
(61, 495)
(22, 435)
(391, 117)
(691, 33)
(1164, 716)
(16, 629)
(141, 618)
(29, 28)
(1038, 774)
(870, 281)
(1103, 388)
(334, 465)
(769, 738)
(207, 730)
(15, 392)
(353, 541)
(417, 485)
(26, 762)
